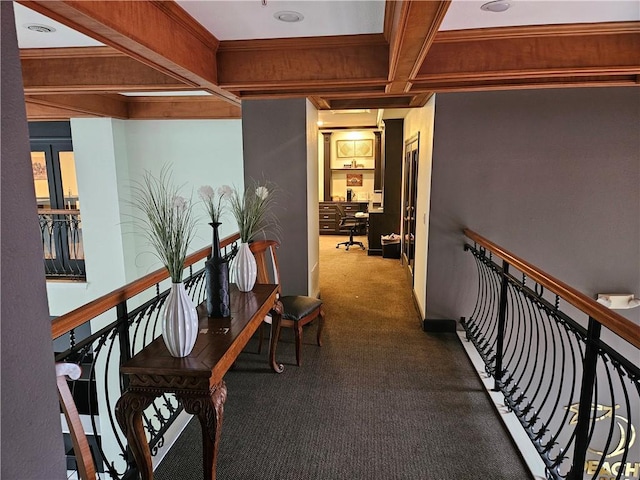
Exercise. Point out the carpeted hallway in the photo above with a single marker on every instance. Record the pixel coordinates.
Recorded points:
(381, 399)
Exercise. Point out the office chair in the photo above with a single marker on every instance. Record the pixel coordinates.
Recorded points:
(354, 223)
(298, 310)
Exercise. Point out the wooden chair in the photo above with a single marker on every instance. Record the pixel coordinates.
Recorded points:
(84, 459)
(298, 310)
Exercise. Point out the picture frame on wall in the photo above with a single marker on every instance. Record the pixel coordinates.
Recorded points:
(354, 179)
(354, 148)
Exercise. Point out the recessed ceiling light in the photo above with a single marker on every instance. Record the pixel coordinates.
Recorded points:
(288, 16)
(496, 6)
(37, 27)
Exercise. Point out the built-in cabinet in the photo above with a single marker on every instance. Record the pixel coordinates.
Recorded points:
(353, 165)
(377, 161)
(330, 216)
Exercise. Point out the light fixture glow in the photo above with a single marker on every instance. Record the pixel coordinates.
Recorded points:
(496, 6)
(288, 16)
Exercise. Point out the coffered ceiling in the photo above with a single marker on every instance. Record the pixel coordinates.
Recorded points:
(199, 59)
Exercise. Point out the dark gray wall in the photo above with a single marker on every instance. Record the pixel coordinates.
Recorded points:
(274, 139)
(551, 175)
(31, 434)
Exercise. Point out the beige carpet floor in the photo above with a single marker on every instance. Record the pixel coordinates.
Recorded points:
(381, 399)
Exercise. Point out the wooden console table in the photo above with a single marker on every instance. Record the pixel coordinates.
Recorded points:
(197, 380)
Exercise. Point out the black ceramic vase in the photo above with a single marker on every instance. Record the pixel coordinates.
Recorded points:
(216, 272)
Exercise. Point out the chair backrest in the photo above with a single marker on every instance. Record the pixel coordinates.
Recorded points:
(264, 252)
(86, 467)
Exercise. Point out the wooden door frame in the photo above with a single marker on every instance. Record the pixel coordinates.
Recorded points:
(409, 180)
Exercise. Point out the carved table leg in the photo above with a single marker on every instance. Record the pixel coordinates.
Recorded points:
(276, 318)
(209, 411)
(128, 412)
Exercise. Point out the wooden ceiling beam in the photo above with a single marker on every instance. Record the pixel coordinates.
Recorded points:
(370, 102)
(68, 70)
(93, 105)
(174, 43)
(198, 107)
(410, 30)
(36, 111)
(529, 83)
(508, 53)
(276, 64)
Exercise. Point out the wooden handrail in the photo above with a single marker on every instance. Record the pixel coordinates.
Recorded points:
(58, 211)
(621, 326)
(84, 313)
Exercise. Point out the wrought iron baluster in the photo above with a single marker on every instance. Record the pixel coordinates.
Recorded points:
(586, 395)
(502, 313)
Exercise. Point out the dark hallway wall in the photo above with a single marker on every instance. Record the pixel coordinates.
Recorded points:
(551, 175)
(275, 148)
(31, 433)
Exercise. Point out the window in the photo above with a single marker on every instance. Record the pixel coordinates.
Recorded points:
(56, 189)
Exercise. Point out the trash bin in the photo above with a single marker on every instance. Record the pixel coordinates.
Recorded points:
(390, 245)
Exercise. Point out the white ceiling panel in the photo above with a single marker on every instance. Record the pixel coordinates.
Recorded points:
(62, 37)
(466, 14)
(241, 20)
(250, 19)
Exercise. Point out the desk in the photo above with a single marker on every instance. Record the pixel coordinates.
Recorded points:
(197, 380)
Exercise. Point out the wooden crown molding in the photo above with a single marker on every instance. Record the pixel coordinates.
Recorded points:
(179, 47)
(577, 54)
(538, 31)
(69, 52)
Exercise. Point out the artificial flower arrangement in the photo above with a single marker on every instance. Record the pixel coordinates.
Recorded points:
(167, 219)
(252, 209)
(215, 201)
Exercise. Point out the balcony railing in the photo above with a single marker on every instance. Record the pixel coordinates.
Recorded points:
(61, 233)
(103, 334)
(562, 361)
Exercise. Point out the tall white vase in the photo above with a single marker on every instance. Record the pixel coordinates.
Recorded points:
(245, 268)
(180, 326)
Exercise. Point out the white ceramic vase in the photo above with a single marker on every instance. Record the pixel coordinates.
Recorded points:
(244, 268)
(180, 326)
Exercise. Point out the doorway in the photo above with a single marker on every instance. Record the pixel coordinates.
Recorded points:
(410, 179)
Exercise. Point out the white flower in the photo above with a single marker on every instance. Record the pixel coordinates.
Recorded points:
(206, 192)
(179, 203)
(225, 191)
(251, 209)
(262, 192)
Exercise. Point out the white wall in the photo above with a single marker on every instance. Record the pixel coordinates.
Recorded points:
(421, 120)
(95, 157)
(109, 154)
(202, 152)
(313, 223)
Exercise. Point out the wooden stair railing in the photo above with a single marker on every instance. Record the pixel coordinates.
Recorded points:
(621, 326)
(69, 321)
